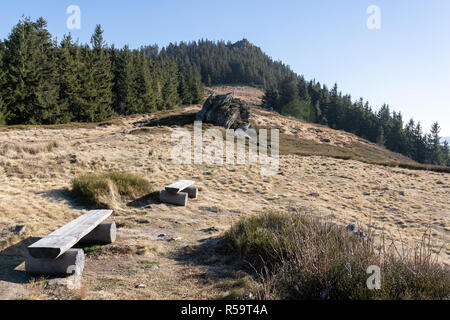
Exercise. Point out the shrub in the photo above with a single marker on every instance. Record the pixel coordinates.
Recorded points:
(300, 257)
(105, 190)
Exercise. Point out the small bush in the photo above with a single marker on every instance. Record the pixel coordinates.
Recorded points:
(300, 257)
(105, 190)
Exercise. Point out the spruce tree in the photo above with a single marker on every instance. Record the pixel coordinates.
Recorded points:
(435, 153)
(100, 65)
(446, 154)
(87, 111)
(288, 91)
(183, 90)
(69, 101)
(195, 85)
(169, 91)
(125, 99)
(32, 91)
(143, 86)
(271, 98)
(293, 108)
(3, 110)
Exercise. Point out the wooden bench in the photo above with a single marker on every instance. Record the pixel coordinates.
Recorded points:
(178, 193)
(54, 254)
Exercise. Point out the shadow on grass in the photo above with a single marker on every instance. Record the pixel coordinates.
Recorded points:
(223, 268)
(147, 200)
(11, 258)
(63, 195)
(173, 120)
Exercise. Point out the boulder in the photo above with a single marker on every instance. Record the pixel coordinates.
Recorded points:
(224, 111)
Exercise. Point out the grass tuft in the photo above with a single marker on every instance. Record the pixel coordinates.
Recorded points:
(300, 257)
(105, 190)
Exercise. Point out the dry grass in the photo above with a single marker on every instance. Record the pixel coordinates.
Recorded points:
(249, 94)
(301, 257)
(106, 190)
(33, 191)
(35, 290)
(18, 150)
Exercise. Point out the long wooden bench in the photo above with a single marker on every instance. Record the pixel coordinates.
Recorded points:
(54, 254)
(178, 193)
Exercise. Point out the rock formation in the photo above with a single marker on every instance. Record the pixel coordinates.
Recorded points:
(225, 111)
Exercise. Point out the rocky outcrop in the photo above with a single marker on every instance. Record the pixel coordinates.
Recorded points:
(225, 111)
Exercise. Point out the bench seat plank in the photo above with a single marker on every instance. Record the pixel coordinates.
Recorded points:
(61, 240)
(179, 186)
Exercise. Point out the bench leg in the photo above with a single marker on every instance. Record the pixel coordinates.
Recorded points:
(192, 192)
(71, 262)
(179, 199)
(104, 233)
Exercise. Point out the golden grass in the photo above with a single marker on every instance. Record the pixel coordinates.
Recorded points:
(300, 257)
(105, 190)
(33, 191)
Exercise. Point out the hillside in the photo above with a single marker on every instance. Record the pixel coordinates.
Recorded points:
(63, 82)
(37, 165)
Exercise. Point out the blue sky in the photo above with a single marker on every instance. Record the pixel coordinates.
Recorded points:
(405, 64)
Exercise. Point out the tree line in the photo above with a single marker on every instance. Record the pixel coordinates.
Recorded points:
(290, 94)
(45, 82)
(229, 63)
(313, 102)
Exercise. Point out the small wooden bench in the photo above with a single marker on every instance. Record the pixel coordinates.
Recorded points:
(178, 193)
(54, 254)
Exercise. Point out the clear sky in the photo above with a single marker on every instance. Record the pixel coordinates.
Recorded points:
(406, 63)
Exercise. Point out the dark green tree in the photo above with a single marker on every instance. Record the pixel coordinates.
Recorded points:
(288, 91)
(32, 91)
(183, 90)
(99, 64)
(70, 91)
(271, 97)
(435, 149)
(143, 86)
(3, 75)
(124, 95)
(195, 85)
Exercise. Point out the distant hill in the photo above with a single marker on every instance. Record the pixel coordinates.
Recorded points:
(243, 63)
(69, 82)
(229, 63)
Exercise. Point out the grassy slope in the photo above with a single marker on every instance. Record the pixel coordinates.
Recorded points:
(402, 202)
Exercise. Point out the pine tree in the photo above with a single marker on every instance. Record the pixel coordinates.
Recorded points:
(88, 98)
(293, 108)
(271, 98)
(195, 85)
(288, 91)
(435, 149)
(143, 87)
(183, 90)
(3, 110)
(125, 99)
(69, 100)
(169, 91)
(32, 87)
(446, 154)
(420, 144)
(100, 65)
